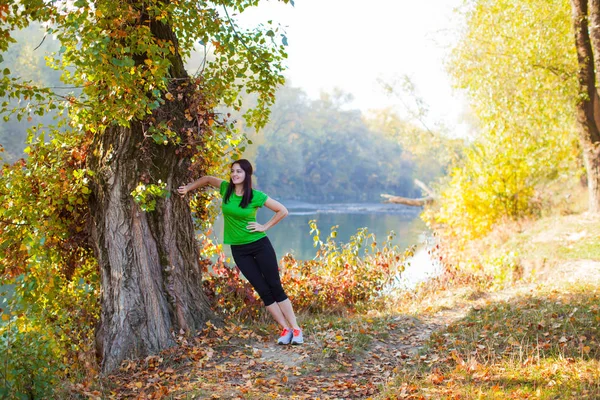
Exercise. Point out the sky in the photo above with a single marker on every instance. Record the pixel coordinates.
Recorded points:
(350, 44)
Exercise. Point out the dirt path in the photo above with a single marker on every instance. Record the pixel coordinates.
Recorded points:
(342, 375)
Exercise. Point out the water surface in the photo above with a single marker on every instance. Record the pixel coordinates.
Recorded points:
(292, 234)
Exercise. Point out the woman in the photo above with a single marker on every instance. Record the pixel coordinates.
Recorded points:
(250, 246)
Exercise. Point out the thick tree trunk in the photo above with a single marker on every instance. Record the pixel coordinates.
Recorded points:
(151, 278)
(587, 106)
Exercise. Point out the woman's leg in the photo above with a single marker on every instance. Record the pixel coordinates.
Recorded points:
(267, 262)
(278, 315)
(288, 312)
(247, 264)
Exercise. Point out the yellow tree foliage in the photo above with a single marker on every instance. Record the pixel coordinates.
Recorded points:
(517, 63)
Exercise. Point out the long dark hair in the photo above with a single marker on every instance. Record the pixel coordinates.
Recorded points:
(247, 196)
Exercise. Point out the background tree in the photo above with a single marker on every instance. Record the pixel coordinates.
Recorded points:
(520, 77)
(428, 142)
(140, 127)
(586, 20)
(321, 151)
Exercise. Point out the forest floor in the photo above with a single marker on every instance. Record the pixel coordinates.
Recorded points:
(537, 337)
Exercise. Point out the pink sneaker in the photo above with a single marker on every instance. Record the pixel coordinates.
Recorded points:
(286, 336)
(297, 336)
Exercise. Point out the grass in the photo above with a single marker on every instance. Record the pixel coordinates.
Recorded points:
(560, 238)
(543, 346)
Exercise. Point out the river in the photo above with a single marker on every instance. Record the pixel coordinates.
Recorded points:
(292, 234)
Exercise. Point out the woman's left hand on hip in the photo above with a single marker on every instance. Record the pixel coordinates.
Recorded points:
(256, 227)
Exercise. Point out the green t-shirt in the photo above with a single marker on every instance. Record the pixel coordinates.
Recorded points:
(236, 218)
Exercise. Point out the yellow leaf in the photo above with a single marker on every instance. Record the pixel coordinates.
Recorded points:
(586, 349)
(6, 317)
(138, 385)
(169, 96)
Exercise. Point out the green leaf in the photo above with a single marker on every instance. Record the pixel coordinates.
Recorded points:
(6, 71)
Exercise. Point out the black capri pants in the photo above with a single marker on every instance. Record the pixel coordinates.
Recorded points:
(258, 263)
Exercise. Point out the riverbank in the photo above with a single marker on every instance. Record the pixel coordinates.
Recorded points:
(533, 336)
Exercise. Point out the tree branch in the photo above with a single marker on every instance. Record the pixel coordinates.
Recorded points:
(425, 188)
(412, 202)
(406, 201)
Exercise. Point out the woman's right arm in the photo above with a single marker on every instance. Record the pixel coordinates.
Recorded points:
(205, 180)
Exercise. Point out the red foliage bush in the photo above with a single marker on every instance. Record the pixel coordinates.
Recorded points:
(339, 279)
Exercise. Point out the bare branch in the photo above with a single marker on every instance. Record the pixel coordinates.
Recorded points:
(425, 188)
(406, 201)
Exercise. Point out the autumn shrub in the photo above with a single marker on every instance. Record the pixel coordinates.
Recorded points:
(343, 277)
(32, 363)
(47, 270)
(47, 335)
(228, 292)
(497, 183)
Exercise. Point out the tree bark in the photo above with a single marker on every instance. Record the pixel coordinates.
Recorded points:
(151, 278)
(150, 275)
(588, 51)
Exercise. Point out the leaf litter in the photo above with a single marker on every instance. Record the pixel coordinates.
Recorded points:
(389, 357)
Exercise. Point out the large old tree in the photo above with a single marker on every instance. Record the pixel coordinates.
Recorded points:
(586, 24)
(140, 126)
